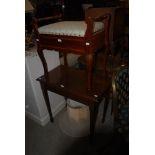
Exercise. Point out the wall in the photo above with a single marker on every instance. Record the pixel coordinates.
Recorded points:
(35, 104)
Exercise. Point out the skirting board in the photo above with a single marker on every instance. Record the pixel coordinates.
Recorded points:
(43, 121)
(38, 120)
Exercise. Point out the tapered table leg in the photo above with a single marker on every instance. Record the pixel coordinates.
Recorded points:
(46, 97)
(93, 115)
(92, 123)
(66, 101)
(105, 106)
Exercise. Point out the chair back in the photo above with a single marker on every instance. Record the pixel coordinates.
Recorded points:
(120, 86)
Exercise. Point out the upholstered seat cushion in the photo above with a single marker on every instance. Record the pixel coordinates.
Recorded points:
(69, 28)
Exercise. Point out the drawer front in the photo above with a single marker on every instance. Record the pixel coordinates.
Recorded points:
(72, 44)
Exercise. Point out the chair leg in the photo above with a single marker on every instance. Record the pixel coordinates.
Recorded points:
(46, 97)
(112, 108)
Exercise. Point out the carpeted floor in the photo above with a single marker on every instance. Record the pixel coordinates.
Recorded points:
(51, 140)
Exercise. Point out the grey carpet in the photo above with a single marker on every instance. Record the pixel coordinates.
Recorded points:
(80, 128)
(51, 140)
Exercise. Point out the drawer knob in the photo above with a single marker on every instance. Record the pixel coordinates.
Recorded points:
(62, 86)
(59, 40)
(87, 43)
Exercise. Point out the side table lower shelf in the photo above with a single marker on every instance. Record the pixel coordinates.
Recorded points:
(72, 83)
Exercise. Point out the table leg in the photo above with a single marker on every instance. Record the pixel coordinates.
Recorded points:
(105, 106)
(93, 115)
(46, 97)
(66, 101)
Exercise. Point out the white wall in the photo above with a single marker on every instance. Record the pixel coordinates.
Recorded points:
(35, 104)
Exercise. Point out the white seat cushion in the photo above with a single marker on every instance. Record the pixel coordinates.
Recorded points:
(69, 28)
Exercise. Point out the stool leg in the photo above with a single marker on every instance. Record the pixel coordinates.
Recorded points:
(43, 60)
(46, 97)
(89, 65)
(65, 60)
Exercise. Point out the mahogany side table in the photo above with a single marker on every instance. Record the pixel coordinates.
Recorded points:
(72, 83)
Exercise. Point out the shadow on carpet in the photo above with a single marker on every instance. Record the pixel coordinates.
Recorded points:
(103, 145)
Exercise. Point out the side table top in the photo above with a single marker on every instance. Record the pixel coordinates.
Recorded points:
(72, 83)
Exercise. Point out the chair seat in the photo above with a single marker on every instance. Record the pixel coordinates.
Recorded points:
(69, 28)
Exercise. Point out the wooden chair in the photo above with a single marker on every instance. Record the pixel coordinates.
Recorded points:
(81, 85)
